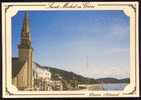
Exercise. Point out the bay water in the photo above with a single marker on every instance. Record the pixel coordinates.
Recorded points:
(114, 86)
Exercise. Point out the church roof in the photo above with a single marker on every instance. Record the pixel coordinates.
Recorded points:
(16, 66)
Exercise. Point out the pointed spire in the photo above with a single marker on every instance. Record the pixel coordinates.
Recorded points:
(25, 34)
(25, 28)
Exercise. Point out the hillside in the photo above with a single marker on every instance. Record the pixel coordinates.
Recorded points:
(71, 76)
(125, 80)
(67, 76)
(112, 80)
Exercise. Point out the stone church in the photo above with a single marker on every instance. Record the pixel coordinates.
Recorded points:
(22, 65)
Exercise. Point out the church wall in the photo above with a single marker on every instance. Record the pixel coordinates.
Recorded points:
(26, 54)
(22, 77)
(30, 70)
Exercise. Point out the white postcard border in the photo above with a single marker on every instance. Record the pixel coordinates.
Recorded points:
(10, 9)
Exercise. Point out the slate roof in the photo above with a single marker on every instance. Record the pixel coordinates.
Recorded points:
(16, 66)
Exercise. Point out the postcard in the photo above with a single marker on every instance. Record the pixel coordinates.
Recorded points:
(70, 49)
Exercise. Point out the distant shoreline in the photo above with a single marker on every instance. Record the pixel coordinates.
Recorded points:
(113, 80)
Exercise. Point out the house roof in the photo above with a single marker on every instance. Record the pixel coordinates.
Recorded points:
(16, 66)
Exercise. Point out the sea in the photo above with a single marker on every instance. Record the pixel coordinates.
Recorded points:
(114, 86)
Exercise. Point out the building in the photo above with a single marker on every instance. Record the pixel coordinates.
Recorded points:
(22, 65)
(41, 78)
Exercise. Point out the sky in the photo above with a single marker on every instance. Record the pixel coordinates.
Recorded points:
(92, 43)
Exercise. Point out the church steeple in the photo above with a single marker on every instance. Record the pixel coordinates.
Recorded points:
(25, 28)
(25, 33)
(25, 54)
